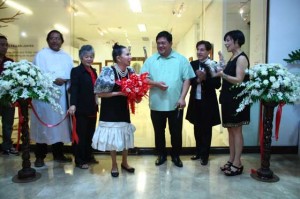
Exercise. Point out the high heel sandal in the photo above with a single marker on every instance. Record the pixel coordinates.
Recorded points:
(128, 169)
(234, 170)
(114, 173)
(226, 166)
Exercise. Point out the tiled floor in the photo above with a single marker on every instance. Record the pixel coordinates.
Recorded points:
(167, 181)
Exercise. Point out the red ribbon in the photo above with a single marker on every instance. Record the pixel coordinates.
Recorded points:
(43, 123)
(75, 137)
(21, 120)
(74, 131)
(278, 118)
(261, 128)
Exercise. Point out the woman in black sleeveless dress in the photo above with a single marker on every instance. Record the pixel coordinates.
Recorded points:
(115, 131)
(234, 73)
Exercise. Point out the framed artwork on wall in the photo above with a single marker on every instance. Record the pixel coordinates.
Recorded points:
(211, 53)
(109, 62)
(97, 66)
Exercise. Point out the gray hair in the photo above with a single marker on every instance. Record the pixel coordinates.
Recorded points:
(86, 49)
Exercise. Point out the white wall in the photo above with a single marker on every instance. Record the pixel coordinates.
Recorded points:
(213, 28)
(258, 31)
(186, 46)
(284, 28)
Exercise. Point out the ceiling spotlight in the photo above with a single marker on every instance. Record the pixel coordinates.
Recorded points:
(135, 6)
(142, 27)
(23, 34)
(178, 12)
(245, 11)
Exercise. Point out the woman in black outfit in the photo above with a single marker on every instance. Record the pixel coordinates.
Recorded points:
(203, 110)
(234, 73)
(84, 106)
(115, 131)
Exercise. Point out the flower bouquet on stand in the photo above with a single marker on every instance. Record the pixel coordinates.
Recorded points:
(272, 85)
(19, 83)
(135, 88)
(24, 80)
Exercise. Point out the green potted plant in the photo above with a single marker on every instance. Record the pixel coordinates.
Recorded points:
(294, 57)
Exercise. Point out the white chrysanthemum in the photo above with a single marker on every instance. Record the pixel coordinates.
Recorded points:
(275, 85)
(32, 72)
(272, 79)
(280, 72)
(264, 72)
(265, 82)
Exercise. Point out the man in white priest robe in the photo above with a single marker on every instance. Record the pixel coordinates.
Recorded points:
(57, 62)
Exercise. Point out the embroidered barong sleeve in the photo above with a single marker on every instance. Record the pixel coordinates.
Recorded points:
(106, 81)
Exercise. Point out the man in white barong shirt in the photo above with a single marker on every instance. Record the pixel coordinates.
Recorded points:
(59, 63)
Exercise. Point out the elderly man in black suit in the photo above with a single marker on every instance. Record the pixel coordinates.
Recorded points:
(203, 110)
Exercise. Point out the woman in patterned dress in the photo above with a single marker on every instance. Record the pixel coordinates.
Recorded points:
(115, 131)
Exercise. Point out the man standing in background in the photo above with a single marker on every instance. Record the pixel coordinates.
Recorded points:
(57, 62)
(7, 111)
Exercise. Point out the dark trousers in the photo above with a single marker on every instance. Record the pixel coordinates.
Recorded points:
(85, 128)
(159, 121)
(8, 114)
(203, 133)
(41, 150)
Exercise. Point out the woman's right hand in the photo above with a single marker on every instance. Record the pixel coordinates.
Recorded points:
(162, 86)
(72, 110)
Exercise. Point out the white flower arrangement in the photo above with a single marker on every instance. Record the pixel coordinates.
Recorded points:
(24, 80)
(270, 83)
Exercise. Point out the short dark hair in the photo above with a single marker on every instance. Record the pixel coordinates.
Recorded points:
(166, 35)
(3, 37)
(86, 49)
(55, 31)
(117, 51)
(207, 44)
(236, 35)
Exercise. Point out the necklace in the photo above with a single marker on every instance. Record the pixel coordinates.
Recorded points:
(235, 55)
(120, 72)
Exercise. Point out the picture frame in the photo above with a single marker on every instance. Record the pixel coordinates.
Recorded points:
(109, 62)
(97, 66)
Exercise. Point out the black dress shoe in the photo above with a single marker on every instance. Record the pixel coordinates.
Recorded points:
(203, 162)
(129, 170)
(195, 157)
(160, 160)
(177, 161)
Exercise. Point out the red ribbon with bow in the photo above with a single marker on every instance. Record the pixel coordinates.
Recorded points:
(277, 125)
(135, 87)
